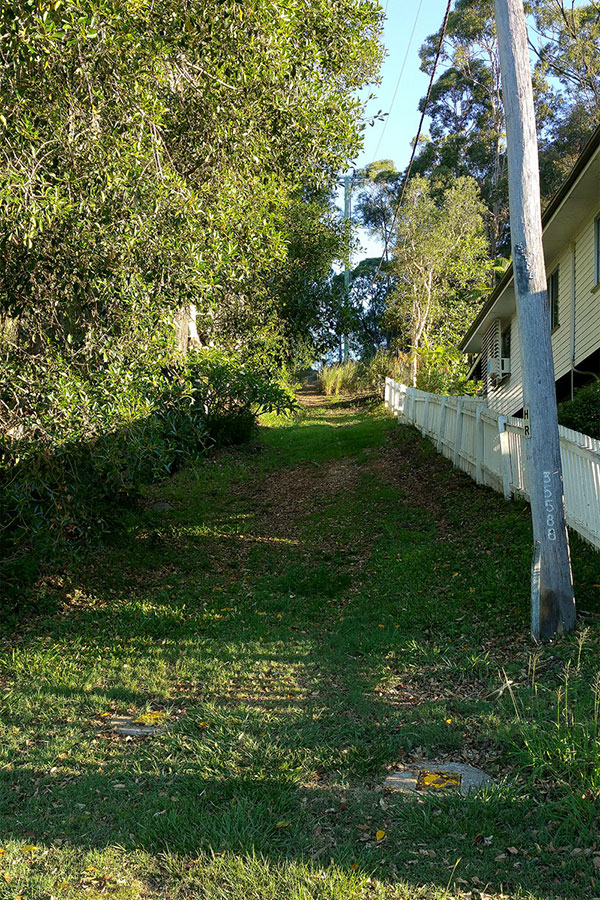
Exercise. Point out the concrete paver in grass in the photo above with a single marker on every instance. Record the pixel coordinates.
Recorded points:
(431, 777)
(143, 725)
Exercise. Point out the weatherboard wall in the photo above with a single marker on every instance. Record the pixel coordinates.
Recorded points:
(507, 397)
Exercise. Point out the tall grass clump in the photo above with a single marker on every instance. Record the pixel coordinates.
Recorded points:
(555, 736)
(363, 376)
(343, 378)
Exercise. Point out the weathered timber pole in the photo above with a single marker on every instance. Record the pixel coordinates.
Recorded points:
(556, 598)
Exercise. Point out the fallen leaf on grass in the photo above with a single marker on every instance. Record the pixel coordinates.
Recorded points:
(7, 877)
(282, 825)
(380, 835)
(596, 861)
(150, 718)
(28, 848)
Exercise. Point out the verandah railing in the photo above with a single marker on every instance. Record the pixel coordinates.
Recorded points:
(491, 448)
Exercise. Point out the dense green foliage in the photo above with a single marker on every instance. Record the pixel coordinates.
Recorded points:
(151, 154)
(440, 251)
(158, 156)
(582, 413)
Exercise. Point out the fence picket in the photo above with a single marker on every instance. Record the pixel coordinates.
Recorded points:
(458, 429)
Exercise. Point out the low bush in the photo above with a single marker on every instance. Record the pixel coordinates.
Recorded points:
(74, 449)
(444, 370)
(582, 413)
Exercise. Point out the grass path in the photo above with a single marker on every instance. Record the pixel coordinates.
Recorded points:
(306, 613)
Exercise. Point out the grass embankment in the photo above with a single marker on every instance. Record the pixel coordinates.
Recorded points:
(307, 616)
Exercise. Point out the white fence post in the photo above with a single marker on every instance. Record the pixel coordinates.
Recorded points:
(407, 406)
(505, 452)
(458, 432)
(402, 404)
(479, 444)
(387, 393)
(442, 433)
(425, 428)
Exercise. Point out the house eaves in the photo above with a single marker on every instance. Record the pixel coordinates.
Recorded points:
(578, 197)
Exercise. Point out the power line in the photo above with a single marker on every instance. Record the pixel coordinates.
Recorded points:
(416, 141)
(412, 34)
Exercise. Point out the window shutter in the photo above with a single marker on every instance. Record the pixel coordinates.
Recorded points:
(490, 349)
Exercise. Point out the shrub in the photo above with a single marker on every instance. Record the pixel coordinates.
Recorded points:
(443, 370)
(582, 413)
(73, 449)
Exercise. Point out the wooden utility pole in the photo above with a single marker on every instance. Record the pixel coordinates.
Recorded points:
(556, 599)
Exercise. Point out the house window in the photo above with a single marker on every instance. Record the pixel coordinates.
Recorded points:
(505, 343)
(553, 299)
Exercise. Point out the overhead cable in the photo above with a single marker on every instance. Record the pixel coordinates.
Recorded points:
(412, 34)
(417, 138)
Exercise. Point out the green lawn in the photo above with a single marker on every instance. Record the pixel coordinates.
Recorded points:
(308, 612)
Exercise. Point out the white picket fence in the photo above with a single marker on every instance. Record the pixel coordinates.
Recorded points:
(491, 448)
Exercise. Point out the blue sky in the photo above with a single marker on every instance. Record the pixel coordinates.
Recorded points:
(404, 117)
(403, 121)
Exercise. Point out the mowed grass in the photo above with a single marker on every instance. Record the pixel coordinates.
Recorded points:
(306, 613)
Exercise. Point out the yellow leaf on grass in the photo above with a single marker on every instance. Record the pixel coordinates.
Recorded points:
(29, 848)
(149, 718)
(282, 825)
(380, 835)
(7, 877)
(2, 850)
